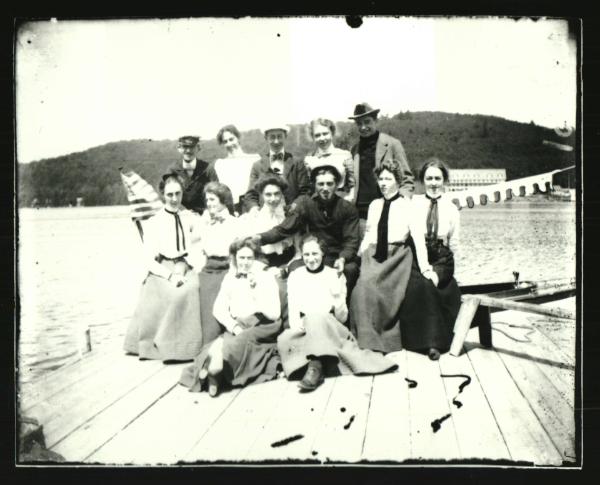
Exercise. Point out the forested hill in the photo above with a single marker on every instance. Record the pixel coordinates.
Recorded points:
(463, 141)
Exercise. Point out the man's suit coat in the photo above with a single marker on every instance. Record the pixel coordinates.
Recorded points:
(193, 187)
(294, 173)
(388, 148)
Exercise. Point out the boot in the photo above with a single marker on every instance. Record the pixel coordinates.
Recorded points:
(313, 377)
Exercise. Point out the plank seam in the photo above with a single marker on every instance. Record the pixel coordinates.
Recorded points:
(362, 447)
(450, 410)
(489, 404)
(118, 398)
(556, 447)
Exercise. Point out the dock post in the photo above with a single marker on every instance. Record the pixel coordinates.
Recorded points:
(463, 324)
(485, 327)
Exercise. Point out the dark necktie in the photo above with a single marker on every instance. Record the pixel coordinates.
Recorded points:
(178, 229)
(432, 219)
(381, 251)
(241, 275)
(277, 156)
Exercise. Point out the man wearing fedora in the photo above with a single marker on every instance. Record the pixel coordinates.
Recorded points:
(329, 217)
(195, 173)
(372, 149)
(281, 163)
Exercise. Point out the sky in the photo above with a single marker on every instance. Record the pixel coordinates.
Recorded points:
(84, 83)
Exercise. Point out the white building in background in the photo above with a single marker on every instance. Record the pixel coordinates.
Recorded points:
(464, 178)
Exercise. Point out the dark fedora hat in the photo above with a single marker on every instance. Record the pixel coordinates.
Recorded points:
(363, 109)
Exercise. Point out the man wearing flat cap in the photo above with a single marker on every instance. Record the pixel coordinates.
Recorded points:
(195, 173)
(281, 163)
(372, 149)
(327, 216)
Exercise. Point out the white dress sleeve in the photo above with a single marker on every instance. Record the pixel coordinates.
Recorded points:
(294, 291)
(152, 249)
(338, 293)
(266, 296)
(222, 302)
(370, 236)
(418, 229)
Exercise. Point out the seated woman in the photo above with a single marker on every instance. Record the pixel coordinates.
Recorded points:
(248, 307)
(271, 213)
(322, 132)
(218, 230)
(234, 169)
(432, 298)
(317, 343)
(166, 322)
(386, 261)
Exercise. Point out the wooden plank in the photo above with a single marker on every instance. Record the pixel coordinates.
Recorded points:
(526, 439)
(89, 437)
(64, 412)
(298, 414)
(535, 345)
(341, 434)
(388, 427)
(477, 432)
(167, 430)
(233, 434)
(427, 404)
(55, 382)
(551, 408)
(520, 306)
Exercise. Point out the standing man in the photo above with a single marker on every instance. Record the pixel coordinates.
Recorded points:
(372, 149)
(327, 216)
(194, 172)
(281, 163)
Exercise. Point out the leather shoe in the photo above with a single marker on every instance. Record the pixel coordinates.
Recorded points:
(313, 377)
(434, 354)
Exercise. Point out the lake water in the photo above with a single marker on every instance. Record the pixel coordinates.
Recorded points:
(81, 268)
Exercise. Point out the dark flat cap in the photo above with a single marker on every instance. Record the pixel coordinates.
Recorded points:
(189, 141)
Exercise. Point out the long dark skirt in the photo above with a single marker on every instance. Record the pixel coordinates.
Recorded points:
(250, 357)
(428, 313)
(377, 298)
(166, 321)
(327, 338)
(211, 277)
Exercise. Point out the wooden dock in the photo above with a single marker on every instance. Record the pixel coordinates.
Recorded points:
(511, 404)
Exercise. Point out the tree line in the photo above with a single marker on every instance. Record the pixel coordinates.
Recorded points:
(463, 141)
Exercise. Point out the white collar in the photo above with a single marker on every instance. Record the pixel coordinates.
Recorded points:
(189, 165)
(329, 151)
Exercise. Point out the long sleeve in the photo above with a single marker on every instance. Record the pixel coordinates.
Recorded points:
(370, 236)
(407, 186)
(151, 249)
(454, 231)
(417, 226)
(302, 180)
(294, 292)
(250, 199)
(350, 185)
(290, 225)
(266, 296)
(222, 302)
(340, 308)
(351, 235)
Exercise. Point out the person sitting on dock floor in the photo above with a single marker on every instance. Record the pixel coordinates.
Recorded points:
(317, 343)
(248, 307)
(166, 322)
(432, 298)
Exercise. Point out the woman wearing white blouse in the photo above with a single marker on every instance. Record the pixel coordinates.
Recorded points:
(386, 262)
(317, 343)
(218, 229)
(432, 298)
(322, 132)
(247, 306)
(234, 169)
(166, 322)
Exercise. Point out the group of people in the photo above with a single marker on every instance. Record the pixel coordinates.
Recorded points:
(263, 265)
